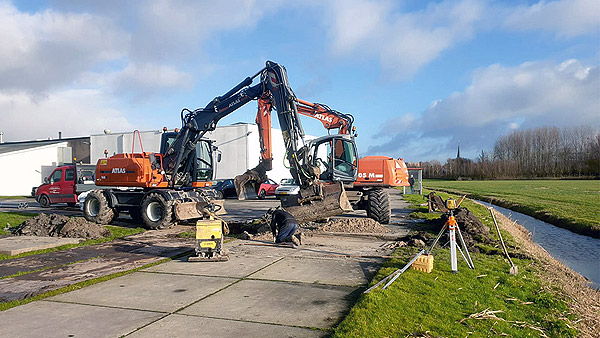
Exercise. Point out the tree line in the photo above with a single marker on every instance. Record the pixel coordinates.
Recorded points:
(542, 152)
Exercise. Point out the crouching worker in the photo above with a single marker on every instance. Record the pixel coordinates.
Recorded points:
(284, 226)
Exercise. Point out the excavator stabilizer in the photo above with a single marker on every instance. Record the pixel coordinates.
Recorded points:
(194, 210)
(329, 200)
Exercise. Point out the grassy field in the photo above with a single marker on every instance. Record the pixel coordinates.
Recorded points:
(485, 302)
(571, 204)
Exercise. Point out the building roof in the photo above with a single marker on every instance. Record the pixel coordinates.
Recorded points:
(8, 147)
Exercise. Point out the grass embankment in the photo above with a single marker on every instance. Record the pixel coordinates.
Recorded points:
(16, 218)
(483, 302)
(570, 204)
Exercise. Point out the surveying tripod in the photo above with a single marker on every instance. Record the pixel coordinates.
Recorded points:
(453, 228)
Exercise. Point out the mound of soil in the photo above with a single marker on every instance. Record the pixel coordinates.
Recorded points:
(472, 229)
(53, 225)
(353, 225)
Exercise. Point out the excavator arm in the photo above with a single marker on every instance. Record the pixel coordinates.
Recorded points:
(273, 91)
(331, 119)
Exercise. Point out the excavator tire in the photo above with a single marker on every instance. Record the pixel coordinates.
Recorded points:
(157, 212)
(136, 215)
(96, 208)
(378, 206)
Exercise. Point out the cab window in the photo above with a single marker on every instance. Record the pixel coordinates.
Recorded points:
(204, 162)
(69, 174)
(56, 176)
(345, 157)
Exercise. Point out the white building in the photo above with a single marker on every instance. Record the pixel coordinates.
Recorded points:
(21, 164)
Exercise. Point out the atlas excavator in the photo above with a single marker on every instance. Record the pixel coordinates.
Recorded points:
(334, 160)
(163, 188)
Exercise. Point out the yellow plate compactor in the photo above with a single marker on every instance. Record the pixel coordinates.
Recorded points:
(209, 241)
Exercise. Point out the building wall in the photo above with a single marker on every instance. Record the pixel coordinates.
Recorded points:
(21, 170)
(122, 143)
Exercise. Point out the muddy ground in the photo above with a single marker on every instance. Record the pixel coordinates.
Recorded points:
(54, 225)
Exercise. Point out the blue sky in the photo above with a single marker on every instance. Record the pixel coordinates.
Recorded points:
(418, 76)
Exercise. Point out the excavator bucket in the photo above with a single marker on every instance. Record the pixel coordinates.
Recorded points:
(317, 202)
(245, 185)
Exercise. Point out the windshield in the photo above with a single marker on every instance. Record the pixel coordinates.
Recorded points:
(204, 161)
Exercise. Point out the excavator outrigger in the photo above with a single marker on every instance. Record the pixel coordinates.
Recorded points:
(158, 186)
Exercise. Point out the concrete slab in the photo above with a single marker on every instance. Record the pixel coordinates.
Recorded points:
(50, 319)
(18, 244)
(282, 303)
(147, 291)
(347, 272)
(237, 266)
(191, 326)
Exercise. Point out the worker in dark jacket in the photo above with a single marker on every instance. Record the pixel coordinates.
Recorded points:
(283, 227)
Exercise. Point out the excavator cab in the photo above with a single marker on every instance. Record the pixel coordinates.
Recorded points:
(201, 171)
(336, 157)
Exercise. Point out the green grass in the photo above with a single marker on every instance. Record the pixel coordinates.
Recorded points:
(14, 219)
(14, 197)
(435, 304)
(439, 304)
(572, 204)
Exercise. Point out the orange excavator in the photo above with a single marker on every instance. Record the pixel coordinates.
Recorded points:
(334, 163)
(163, 188)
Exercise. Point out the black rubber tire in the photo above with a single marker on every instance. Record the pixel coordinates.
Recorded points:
(378, 206)
(136, 215)
(96, 208)
(44, 201)
(218, 195)
(262, 194)
(157, 212)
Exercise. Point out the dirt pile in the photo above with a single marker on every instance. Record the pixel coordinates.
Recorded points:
(53, 225)
(474, 232)
(352, 225)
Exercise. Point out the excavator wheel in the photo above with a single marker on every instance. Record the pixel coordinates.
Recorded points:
(378, 206)
(96, 208)
(136, 215)
(157, 212)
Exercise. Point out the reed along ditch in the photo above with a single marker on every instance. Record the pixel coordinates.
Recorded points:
(579, 252)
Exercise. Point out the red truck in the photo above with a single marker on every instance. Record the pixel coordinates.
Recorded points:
(65, 183)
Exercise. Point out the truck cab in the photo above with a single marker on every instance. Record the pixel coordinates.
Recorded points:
(61, 185)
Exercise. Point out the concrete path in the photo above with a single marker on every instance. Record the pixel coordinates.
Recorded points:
(262, 291)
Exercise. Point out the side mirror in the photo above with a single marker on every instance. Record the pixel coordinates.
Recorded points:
(219, 157)
(46, 180)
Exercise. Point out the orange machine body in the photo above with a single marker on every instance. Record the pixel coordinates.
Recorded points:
(382, 171)
(129, 170)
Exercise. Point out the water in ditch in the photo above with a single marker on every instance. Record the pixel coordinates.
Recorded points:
(580, 253)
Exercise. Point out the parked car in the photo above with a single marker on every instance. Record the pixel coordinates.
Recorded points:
(267, 188)
(287, 186)
(224, 188)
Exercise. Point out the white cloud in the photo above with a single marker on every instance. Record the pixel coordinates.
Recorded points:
(146, 78)
(177, 28)
(498, 100)
(48, 49)
(403, 41)
(74, 112)
(565, 18)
